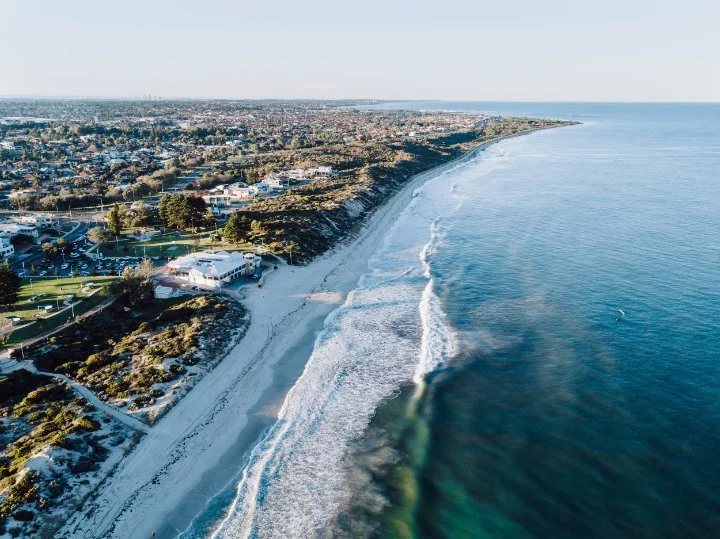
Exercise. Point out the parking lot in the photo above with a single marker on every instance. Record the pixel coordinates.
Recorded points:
(77, 263)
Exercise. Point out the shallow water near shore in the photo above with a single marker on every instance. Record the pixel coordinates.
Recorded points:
(534, 352)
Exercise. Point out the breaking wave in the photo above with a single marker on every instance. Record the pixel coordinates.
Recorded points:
(436, 341)
(390, 331)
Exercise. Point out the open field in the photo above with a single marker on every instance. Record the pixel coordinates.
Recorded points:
(170, 244)
(38, 292)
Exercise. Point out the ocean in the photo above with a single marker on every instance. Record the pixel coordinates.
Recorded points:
(534, 352)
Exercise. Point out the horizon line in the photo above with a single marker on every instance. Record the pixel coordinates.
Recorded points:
(42, 97)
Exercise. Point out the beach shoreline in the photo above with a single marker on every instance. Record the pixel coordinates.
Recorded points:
(152, 488)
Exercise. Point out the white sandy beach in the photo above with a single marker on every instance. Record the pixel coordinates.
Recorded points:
(192, 438)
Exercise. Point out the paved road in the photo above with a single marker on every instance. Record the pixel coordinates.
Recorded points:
(51, 332)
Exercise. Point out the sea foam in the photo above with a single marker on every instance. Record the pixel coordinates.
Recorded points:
(390, 331)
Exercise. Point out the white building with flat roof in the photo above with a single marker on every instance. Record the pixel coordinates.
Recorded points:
(277, 182)
(225, 196)
(296, 174)
(9, 230)
(321, 172)
(6, 248)
(39, 220)
(214, 269)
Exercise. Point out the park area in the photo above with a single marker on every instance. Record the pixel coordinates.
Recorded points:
(169, 244)
(46, 302)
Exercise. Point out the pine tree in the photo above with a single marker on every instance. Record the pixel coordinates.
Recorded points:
(163, 208)
(235, 229)
(114, 223)
(9, 285)
(209, 219)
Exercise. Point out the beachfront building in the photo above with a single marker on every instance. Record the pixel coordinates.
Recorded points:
(6, 248)
(214, 269)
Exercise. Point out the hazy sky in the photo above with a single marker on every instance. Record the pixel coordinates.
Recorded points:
(391, 49)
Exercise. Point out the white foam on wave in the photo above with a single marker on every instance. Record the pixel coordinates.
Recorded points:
(430, 248)
(437, 341)
(390, 331)
(294, 481)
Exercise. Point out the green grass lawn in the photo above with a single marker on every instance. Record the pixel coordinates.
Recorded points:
(169, 244)
(29, 331)
(50, 291)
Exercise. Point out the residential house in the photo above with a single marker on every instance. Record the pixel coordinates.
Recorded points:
(277, 182)
(322, 172)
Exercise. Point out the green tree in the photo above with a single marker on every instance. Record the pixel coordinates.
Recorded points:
(98, 235)
(132, 289)
(9, 285)
(49, 250)
(114, 221)
(257, 228)
(64, 246)
(208, 219)
(164, 208)
(235, 229)
(182, 212)
(21, 239)
(179, 215)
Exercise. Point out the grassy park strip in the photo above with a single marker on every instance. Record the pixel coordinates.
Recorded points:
(45, 303)
(169, 244)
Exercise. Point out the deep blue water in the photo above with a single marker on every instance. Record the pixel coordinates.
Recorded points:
(535, 352)
(559, 416)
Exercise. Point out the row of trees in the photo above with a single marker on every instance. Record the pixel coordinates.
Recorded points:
(182, 212)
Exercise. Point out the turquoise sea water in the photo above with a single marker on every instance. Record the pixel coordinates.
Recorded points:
(535, 352)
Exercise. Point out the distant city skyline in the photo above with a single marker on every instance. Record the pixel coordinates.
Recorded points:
(516, 50)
